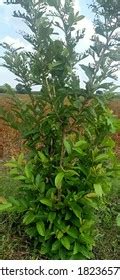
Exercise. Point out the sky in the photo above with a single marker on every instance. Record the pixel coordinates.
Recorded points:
(10, 28)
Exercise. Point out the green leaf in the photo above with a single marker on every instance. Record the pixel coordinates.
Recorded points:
(90, 202)
(28, 218)
(46, 202)
(38, 180)
(81, 143)
(56, 245)
(54, 64)
(98, 190)
(77, 104)
(76, 209)
(79, 248)
(31, 231)
(59, 234)
(11, 164)
(76, 248)
(80, 17)
(118, 220)
(43, 158)
(67, 146)
(101, 157)
(50, 193)
(73, 232)
(85, 252)
(4, 207)
(28, 171)
(62, 253)
(108, 143)
(89, 71)
(48, 233)
(42, 187)
(67, 216)
(83, 169)
(79, 151)
(58, 180)
(65, 242)
(41, 228)
(20, 159)
(44, 249)
(14, 171)
(87, 239)
(70, 173)
(20, 178)
(77, 256)
(39, 183)
(51, 216)
(87, 225)
(15, 202)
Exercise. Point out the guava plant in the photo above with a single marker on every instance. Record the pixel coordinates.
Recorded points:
(70, 164)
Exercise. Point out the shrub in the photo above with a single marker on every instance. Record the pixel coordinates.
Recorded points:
(70, 164)
(5, 88)
(22, 89)
(66, 179)
(2, 89)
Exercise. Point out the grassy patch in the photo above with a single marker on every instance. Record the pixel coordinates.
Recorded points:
(107, 239)
(14, 242)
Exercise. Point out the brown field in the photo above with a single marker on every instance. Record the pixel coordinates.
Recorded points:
(10, 140)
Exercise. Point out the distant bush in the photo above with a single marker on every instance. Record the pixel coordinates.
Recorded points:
(22, 89)
(3, 89)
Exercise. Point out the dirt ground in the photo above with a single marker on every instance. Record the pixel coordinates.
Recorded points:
(10, 140)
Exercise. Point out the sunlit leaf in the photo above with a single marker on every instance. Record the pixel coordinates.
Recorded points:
(58, 180)
(28, 218)
(46, 202)
(41, 228)
(65, 242)
(67, 146)
(98, 190)
(6, 206)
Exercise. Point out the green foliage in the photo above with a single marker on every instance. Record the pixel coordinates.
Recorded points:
(70, 163)
(60, 192)
(2, 89)
(5, 88)
(22, 89)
